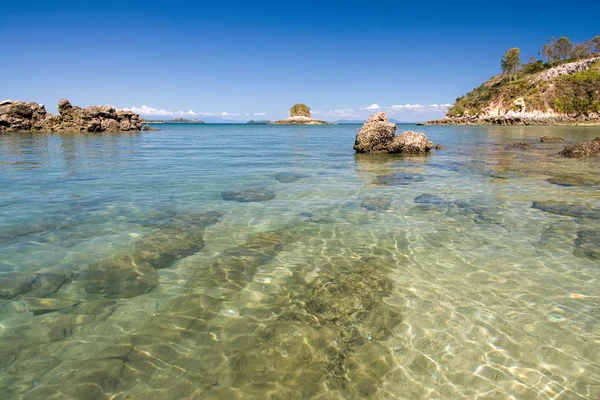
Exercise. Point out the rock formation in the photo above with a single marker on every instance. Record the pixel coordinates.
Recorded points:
(19, 116)
(583, 149)
(378, 135)
(300, 115)
(545, 139)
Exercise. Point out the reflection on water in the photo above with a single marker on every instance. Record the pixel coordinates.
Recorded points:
(469, 273)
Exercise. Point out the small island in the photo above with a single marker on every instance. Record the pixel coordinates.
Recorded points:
(261, 122)
(300, 115)
(562, 90)
(174, 121)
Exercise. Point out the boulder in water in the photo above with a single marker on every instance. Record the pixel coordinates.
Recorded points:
(550, 139)
(375, 135)
(248, 195)
(584, 149)
(410, 142)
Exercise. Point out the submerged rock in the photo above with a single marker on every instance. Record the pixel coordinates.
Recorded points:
(119, 277)
(289, 177)
(550, 139)
(376, 204)
(522, 145)
(168, 245)
(18, 116)
(398, 179)
(570, 180)
(15, 283)
(149, 128)
(410, 143)
(567, 209)
(32, 284)
(440, 147)
(375, 135)
(583, 149)
(432, 199)
(587, 244)
(248, 195)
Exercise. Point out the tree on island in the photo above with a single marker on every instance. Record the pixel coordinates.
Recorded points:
(562, 48)
(511, 62)
(300, 110)
(595, 45)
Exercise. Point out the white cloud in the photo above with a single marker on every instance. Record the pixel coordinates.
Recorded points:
(155, 112)
(419, 107)
(372, 107)
(260, 114)
(345, 112)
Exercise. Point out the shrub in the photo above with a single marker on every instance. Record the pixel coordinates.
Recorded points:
(300, 110)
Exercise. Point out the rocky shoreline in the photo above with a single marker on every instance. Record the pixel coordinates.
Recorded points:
(20, 116)
(515, 121)
(297, 120)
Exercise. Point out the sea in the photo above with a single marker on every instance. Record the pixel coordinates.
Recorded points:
(272, 262)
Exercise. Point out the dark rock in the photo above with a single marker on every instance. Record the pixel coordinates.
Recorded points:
(398, 179)
(15, 283)
(440, 147)
(573, 180)
(376, 204)
(587, 244)
(120, 277)
(410, 143)
(248, 195)
(583, 149)
(288, 177)
(375, 135)
(427, 198)
(550, 139)
(165, 246)
(522, 145)
(567, 209)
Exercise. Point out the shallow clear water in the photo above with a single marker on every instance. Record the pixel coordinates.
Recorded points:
(130, 267)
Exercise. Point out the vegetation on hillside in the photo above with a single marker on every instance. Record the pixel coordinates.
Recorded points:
(300, 110)
(574, 95)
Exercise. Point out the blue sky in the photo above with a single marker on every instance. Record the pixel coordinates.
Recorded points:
(253, 60)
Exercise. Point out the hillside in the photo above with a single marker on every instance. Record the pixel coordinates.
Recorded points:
(564, 89)
(566, 93)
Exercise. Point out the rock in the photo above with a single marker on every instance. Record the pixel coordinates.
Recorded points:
(410, 143)
(549, 139)
(587, 244)
(440, 147)
(398, 179)
(15, 283)
(248, 195)
(375, 135)
(376, 204)
(567, 209)
(149, 128)
(522, 145)
(431, 199)
(18, 116)
(288, 177)
(120, 277)
(584, 149)
(570, 180)
(165, 246)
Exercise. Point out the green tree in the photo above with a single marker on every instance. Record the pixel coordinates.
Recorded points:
(511, 62)
(581, 51)
(548, 51)
(562, 48)
(595, 45)
(300, 110)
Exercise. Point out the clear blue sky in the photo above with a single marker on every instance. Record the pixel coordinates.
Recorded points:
(247, 58)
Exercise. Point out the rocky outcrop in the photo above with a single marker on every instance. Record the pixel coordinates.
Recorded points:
(410, 143)
(584, 149)
(375, 135)
(19, 116)
(378, 135)
(522, 120)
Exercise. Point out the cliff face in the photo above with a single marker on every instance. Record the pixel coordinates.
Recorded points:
(566, 94)
(19, 116)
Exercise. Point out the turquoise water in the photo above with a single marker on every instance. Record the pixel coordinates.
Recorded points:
(136, 266)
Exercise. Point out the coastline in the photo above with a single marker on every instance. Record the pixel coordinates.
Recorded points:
(515, 121)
